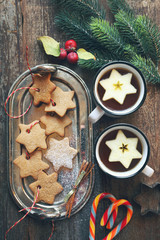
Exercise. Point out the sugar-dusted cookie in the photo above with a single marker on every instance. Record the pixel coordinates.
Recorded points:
(31, 166)
(62, 100)
(60, 154)
(32, 136)
(48, 187)
(45, 88)
(55, 124)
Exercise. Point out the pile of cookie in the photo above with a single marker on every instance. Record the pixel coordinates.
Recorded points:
(34, 135)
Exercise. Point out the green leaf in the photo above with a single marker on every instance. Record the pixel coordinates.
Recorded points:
(50, 45)
(83, 54)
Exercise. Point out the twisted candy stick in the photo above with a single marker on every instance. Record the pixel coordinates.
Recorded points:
(94, 210)
(123, 223)
(109, 216)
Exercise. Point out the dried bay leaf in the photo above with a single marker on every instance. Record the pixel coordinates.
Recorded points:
(83, 54)
(51, 46)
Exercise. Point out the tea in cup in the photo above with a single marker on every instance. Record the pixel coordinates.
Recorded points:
(119, 90)
(122, 151)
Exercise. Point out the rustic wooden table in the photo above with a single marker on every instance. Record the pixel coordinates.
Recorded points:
(21, 23)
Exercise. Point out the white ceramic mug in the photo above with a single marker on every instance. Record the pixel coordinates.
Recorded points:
(100, 110)
(141, 166)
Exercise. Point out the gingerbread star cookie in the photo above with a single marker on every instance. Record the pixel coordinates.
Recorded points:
(62, 102)
(32, 136)
(44, 88)
(55, 124)
(48, 187)
(31, 166)
(60, 154)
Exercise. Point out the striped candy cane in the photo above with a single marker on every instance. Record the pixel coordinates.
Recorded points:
(94, 211)
(123, 223)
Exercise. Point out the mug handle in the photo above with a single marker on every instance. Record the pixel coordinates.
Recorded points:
(148, 171)
(96, 114)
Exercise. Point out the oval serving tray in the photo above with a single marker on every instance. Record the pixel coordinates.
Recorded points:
(80, 136)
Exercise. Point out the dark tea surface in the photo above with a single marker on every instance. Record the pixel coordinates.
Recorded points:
(130, 99)
(104, 152)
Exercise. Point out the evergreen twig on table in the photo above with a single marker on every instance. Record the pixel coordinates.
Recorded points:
(129, 30)
(84, 8)
(116, 5)
(110, 39)
(141, 33)
(80, 32)
(151, 37)
(92, 64)
(147, 67)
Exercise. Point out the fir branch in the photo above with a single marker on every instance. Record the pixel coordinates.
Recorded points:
(83, 8)
(148, 69)
(116, 5)
(80, 32)
(110, 39)
(150, 35)
(129, 30)
(92, 64)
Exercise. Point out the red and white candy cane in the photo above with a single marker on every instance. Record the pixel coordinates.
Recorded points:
(123, 223)
(94, 211)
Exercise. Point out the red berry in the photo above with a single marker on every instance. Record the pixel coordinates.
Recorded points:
(72, 57)
(70, 45)
(63, 54)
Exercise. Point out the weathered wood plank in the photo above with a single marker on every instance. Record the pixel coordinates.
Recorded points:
(21, 23)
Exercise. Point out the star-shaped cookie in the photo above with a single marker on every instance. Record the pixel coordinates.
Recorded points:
(31, 166)
(48, 187)
(32, 136)
(117, 86)
(62, 100)
(148, 199)
(60, 154)
(123, 149)
(45, 88)
(55, 124)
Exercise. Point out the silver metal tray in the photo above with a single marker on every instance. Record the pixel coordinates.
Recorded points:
(80, 136)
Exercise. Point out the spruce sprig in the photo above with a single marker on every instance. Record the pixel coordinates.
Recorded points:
(129, 30)
(92, 64)
(110, 39)
(79, 31)
(84, 8)
(150, 36)
(117, 5)
(147, 67)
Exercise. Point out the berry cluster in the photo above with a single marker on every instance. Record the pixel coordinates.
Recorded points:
(69, 51)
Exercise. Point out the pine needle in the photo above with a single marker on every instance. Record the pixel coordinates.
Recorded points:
(150, 35)
(82, 8)
(80, 31)
(92, 64)
(148, 69)
(110, 39)
(116, 5)
(126, 24)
